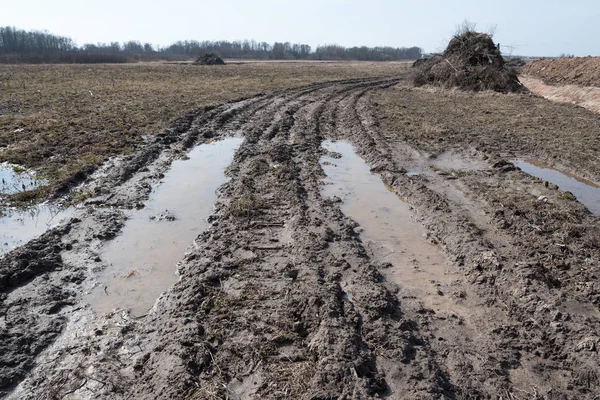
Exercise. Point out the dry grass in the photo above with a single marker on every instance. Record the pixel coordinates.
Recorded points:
(245, 206)
(509, 126)
(64, 119)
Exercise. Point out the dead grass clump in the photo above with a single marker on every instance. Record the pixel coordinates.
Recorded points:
(245, 206)
(209, 59)
(472, 61)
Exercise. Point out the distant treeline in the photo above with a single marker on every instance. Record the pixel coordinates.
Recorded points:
(20, 46)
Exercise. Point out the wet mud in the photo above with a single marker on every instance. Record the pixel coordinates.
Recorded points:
(387, 227)
(585, 191)
(142, 259)
(342, 259)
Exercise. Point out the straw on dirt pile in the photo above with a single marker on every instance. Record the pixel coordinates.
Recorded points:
(209, 59)
(472, 61)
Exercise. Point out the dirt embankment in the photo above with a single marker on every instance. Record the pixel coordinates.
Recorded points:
(282, 298)
(583, 71)
(583, 96)
(565, 80)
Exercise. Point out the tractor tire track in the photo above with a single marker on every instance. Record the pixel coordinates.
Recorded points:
(279, 298)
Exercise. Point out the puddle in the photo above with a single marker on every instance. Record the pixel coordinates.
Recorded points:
(588, 193)
(141, 261)
(14, 179)
(19, 226)
(388, 228)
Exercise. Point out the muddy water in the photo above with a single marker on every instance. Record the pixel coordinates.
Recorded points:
(388, 228)
(588, 193)
(141, 261)
(19, 226)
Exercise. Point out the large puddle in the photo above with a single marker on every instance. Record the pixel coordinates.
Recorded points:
(19, 226)
(588, 193)
(141, 261)
(388, 228)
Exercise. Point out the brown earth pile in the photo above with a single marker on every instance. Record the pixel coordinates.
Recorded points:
(209, 59)
(579, 70)
(472, 61)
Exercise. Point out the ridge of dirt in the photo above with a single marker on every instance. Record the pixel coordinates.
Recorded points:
(583, 96)
(280, 297)
(583, 71)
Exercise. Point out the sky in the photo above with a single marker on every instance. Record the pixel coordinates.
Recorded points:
(522, 27)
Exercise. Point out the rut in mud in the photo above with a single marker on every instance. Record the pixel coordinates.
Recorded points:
(283, 297)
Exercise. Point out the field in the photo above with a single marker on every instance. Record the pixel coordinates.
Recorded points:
(371, 240)
(65, 120)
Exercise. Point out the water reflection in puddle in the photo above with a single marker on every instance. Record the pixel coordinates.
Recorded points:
(588, 193)
(388, 229)
(19, 226)
(14, 179)
(141, 261)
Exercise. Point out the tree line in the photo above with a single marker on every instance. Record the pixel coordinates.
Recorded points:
(43, 47)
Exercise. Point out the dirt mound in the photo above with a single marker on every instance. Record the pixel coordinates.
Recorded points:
(472, 61)
(209, 59)
(578, 70)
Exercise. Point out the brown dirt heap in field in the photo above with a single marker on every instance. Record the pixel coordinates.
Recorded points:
(472, 61)
(578, 70)
(209, 59)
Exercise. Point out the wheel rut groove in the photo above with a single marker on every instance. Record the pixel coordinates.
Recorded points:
(280, 297)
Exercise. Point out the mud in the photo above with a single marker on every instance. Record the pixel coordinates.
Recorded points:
(141, 261)
(287, 294)
(585, 191)
(387, 228)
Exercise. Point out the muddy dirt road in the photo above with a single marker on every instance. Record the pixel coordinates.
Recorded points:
(473, 280)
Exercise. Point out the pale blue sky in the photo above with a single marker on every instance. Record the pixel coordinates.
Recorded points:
(533, 27)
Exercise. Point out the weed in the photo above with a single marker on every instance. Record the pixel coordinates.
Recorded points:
(79, 197)
(245, 206)
(131, 274)
(28, 196)
(567, 196)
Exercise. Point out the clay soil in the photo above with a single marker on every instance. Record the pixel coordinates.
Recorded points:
(583, 71)
(281, 299)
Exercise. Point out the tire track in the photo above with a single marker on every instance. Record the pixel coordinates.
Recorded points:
(279, 298)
